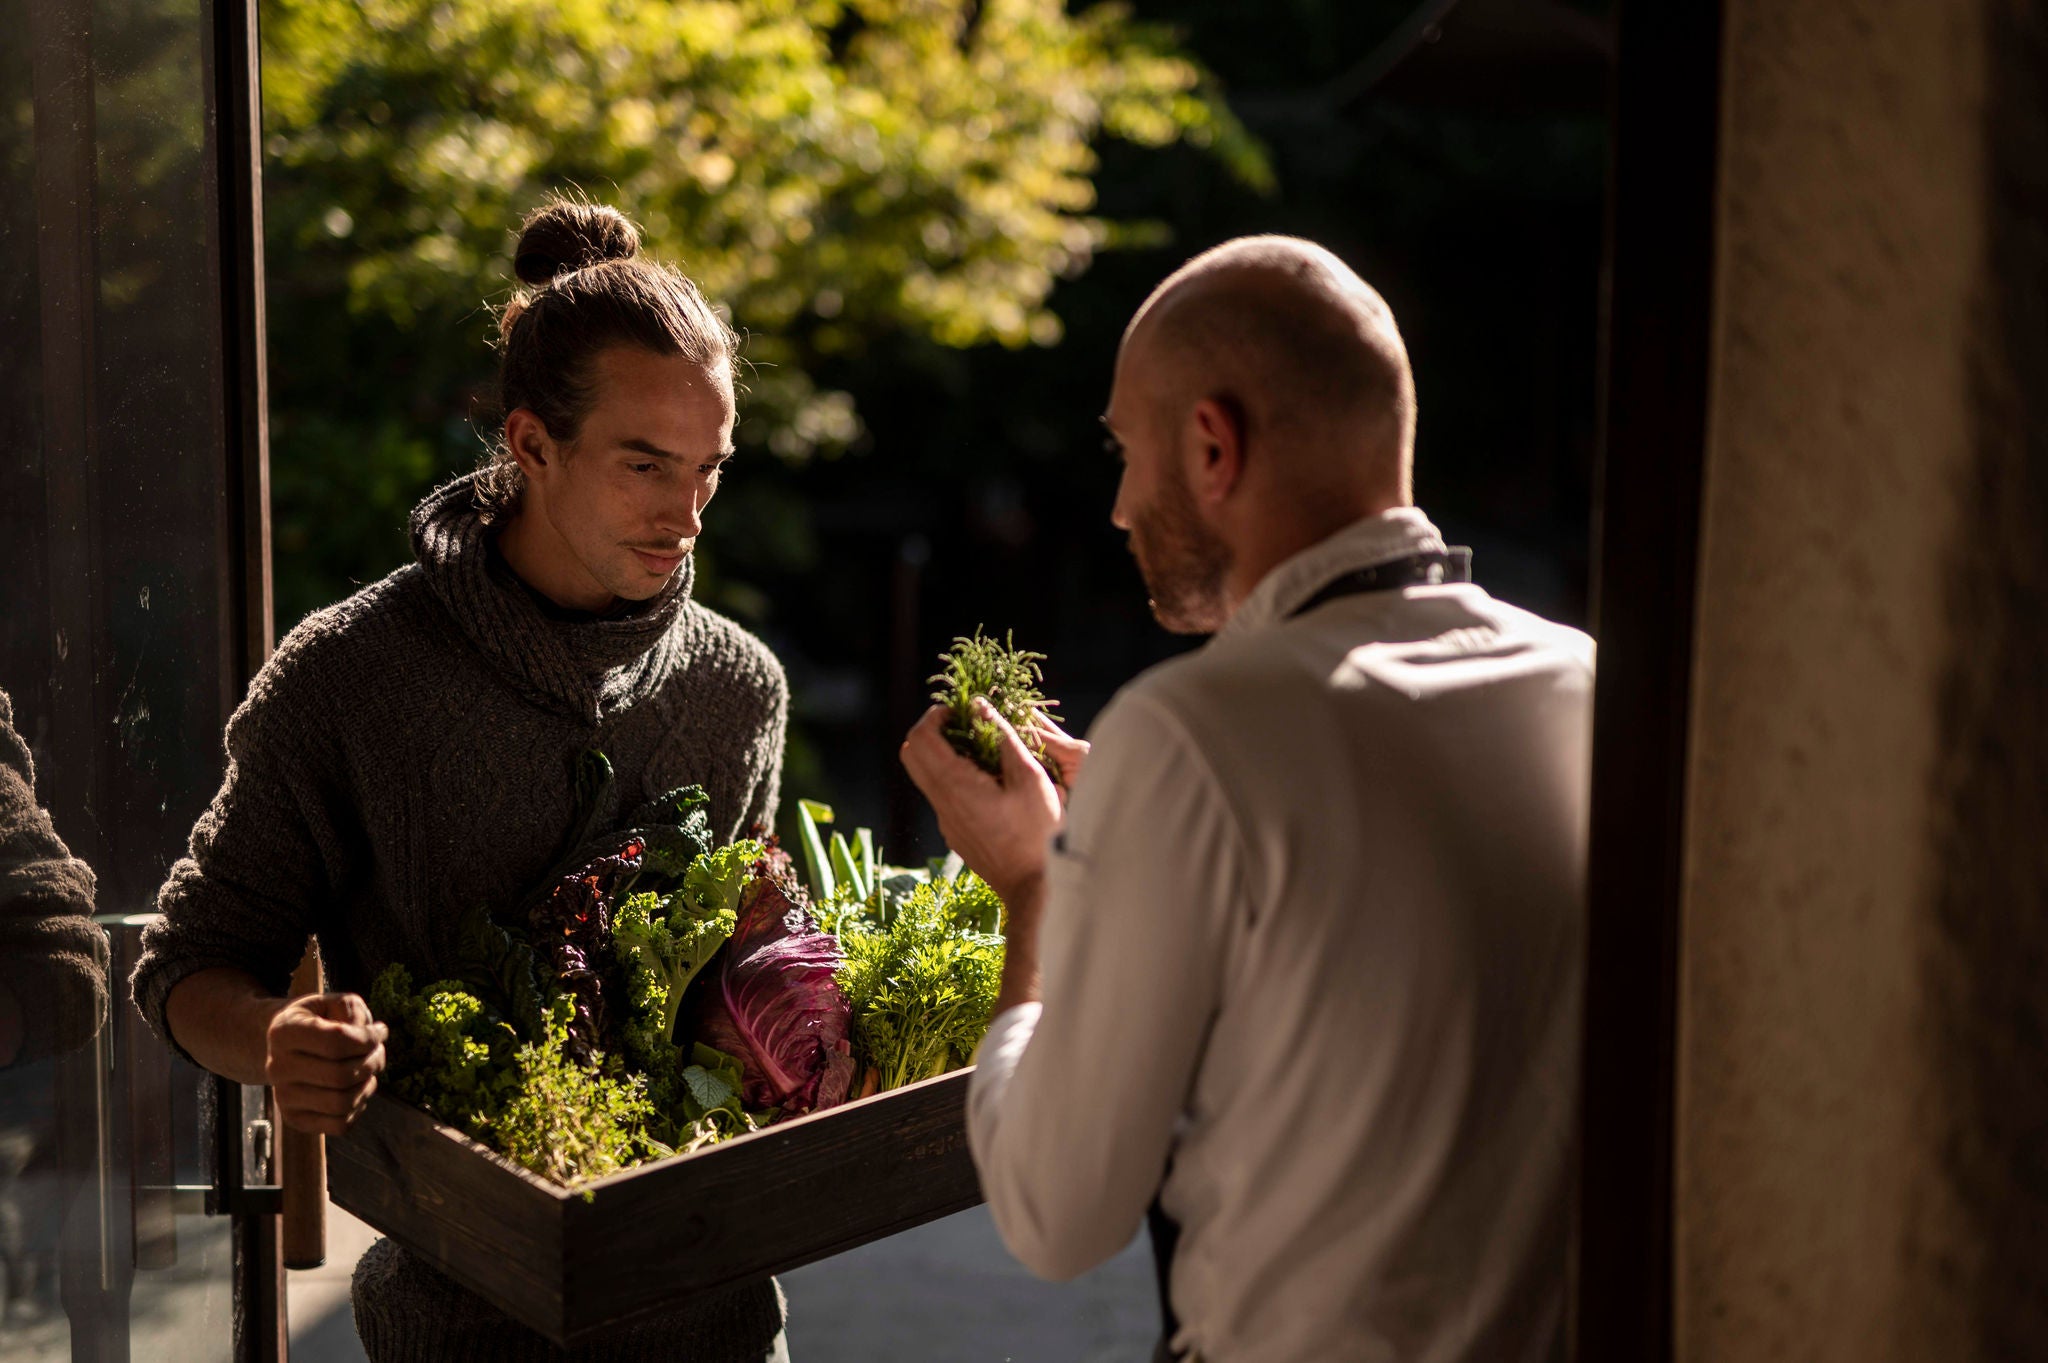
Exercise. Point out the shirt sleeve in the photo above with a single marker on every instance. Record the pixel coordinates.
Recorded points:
(1074, 1103)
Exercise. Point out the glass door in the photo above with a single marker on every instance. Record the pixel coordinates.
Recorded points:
(136, 1220)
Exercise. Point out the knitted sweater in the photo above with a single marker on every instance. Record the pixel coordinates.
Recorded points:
(410, 751)
(53, 958)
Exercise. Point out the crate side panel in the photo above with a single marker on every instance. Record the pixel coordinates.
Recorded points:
(772, 1202)
(444, 1198)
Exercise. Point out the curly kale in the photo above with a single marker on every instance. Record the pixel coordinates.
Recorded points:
(661, 943)
(447, 1053)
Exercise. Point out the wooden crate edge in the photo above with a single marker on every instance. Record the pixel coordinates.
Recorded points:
(418, 1182)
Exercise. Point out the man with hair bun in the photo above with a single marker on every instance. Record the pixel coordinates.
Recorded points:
(410, 751)
(1306, 993)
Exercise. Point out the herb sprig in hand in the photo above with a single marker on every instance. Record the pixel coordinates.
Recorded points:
(1006, 676)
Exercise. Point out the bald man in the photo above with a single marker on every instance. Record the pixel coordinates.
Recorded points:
(1297, 965)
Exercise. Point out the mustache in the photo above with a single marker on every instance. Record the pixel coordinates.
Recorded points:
(665, 550)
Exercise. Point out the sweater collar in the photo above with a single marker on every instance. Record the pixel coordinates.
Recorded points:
(1383, 538)
(583, 667)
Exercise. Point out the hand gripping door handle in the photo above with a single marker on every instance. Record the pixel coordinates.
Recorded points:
(303, 1156)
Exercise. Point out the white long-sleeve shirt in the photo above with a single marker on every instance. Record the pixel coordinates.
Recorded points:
(1311, 954)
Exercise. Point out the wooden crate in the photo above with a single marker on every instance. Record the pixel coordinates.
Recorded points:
(570, 1262)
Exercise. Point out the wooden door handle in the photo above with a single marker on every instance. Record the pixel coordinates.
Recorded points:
(302, 1157)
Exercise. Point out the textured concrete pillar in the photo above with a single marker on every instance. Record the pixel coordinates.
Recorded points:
(1862, 1144)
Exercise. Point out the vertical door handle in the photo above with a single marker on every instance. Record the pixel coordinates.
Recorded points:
(303, 1156)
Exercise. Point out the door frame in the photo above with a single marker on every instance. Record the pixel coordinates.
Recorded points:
(1657, 345)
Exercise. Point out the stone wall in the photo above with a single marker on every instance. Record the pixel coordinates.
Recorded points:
(1862, 1153)
(1987, 943)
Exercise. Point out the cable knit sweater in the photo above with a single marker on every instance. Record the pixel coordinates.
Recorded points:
(53, 957)
(409, 752)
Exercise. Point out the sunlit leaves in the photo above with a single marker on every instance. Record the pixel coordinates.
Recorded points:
(876, 163)
(835, 172)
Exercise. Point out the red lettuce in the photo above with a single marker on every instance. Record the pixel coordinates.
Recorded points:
(774, 1002)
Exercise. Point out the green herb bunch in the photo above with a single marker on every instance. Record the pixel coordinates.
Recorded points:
(448, 1052)
(565, 1119)
(570, 1123)
(1008, 678)
(923, 984)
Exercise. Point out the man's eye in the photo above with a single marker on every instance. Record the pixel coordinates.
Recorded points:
(643, 468)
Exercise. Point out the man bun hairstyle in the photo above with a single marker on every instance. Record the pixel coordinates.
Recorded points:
(589, 289)
(565, 235)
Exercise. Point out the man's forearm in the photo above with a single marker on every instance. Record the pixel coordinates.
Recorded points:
(1025, 903)
(221, 1016)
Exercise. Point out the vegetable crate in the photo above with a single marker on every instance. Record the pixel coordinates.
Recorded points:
(571, 1261)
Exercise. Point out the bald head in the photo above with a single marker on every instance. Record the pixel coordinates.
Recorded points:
(1289, 337)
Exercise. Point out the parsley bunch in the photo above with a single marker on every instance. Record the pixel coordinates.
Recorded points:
(923, 984)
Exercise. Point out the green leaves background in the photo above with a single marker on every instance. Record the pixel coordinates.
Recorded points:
(833, 171)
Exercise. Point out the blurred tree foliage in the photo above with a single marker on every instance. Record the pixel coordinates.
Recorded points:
(837, 172)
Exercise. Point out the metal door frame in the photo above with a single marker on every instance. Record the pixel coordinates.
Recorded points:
(95, 1103)
(236, 125)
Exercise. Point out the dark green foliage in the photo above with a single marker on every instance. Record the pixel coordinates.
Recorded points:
(673, 830)
(499, 966)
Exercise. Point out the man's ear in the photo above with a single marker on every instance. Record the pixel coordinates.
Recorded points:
(1216, 461)
(526, 435)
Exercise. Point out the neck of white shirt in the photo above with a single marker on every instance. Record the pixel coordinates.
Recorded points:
(1382, 538)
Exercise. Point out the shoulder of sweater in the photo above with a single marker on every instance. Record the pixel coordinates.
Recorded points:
(34, 862)
(339, 653)
(734, 654)
(14, 752)
(27, 837)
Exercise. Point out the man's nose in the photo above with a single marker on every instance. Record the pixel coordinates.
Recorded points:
(1117, 517)
(684, 514)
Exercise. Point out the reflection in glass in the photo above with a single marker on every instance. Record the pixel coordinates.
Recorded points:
(116, 644)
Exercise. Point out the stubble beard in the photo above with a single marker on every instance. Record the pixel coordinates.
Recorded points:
(1184, 563)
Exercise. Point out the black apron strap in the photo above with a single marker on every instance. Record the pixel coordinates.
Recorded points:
(1427, 569)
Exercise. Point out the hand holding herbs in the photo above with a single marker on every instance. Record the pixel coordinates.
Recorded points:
(655, 995)
(1008, 678)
